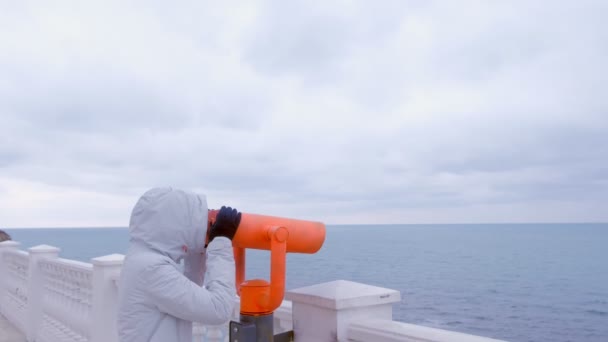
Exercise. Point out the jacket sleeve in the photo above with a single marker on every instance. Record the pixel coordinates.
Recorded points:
(194, 267)
(173, 293)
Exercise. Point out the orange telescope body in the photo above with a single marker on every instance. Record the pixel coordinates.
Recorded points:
(279, 235)
(303, 236)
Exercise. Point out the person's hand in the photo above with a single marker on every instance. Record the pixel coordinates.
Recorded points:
(226, 223)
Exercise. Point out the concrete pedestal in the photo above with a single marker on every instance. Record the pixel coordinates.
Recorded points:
(323, 312)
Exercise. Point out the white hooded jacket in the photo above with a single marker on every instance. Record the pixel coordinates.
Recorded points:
(157, 302)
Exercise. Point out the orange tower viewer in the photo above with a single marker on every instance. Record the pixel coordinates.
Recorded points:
(259, 298)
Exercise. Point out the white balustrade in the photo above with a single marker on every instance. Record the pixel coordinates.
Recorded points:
(283, 319)
(15, 275)
(392, 331)
(105, 297)
(36, 282)
(51, 299)
(67, 300)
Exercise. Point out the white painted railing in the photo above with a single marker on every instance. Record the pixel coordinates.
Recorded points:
(15, 278)
(67, 301)
(50, 299)
(73, 301)
(392, 331)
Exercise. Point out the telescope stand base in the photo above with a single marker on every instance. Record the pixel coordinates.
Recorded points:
(286, 336)
(257, 329)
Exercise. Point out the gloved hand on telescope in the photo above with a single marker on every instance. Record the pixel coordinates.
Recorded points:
(226, 223)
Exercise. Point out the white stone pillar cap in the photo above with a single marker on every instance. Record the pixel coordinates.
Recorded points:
(43, 249)
(108, 260)
(343, 294)
(10, 243)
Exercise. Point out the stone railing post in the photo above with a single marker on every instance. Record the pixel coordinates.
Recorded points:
(323, 312)
(35, 288)
(105, 297)
(9, 245)
(5, 246)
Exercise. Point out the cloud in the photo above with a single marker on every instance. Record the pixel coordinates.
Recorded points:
(354, 112)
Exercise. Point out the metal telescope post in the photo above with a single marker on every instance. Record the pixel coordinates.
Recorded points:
(260, 298)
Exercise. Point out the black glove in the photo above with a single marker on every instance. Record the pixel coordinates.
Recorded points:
(226, 223)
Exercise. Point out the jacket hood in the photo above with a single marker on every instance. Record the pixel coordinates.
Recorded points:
(166, 219)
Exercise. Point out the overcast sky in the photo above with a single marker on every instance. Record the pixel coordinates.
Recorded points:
(339, 111)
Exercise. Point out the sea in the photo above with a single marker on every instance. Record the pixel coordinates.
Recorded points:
(517, 282)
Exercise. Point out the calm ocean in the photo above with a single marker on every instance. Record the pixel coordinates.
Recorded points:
(519, 282)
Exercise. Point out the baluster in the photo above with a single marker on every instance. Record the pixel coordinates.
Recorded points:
(215, 333)
(197, 332)
(35, 287)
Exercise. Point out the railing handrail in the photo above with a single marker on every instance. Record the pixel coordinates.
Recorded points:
(70, 264)
(18, 252)
(395, 331)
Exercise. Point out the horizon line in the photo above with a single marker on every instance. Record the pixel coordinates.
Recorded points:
(343, 224)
